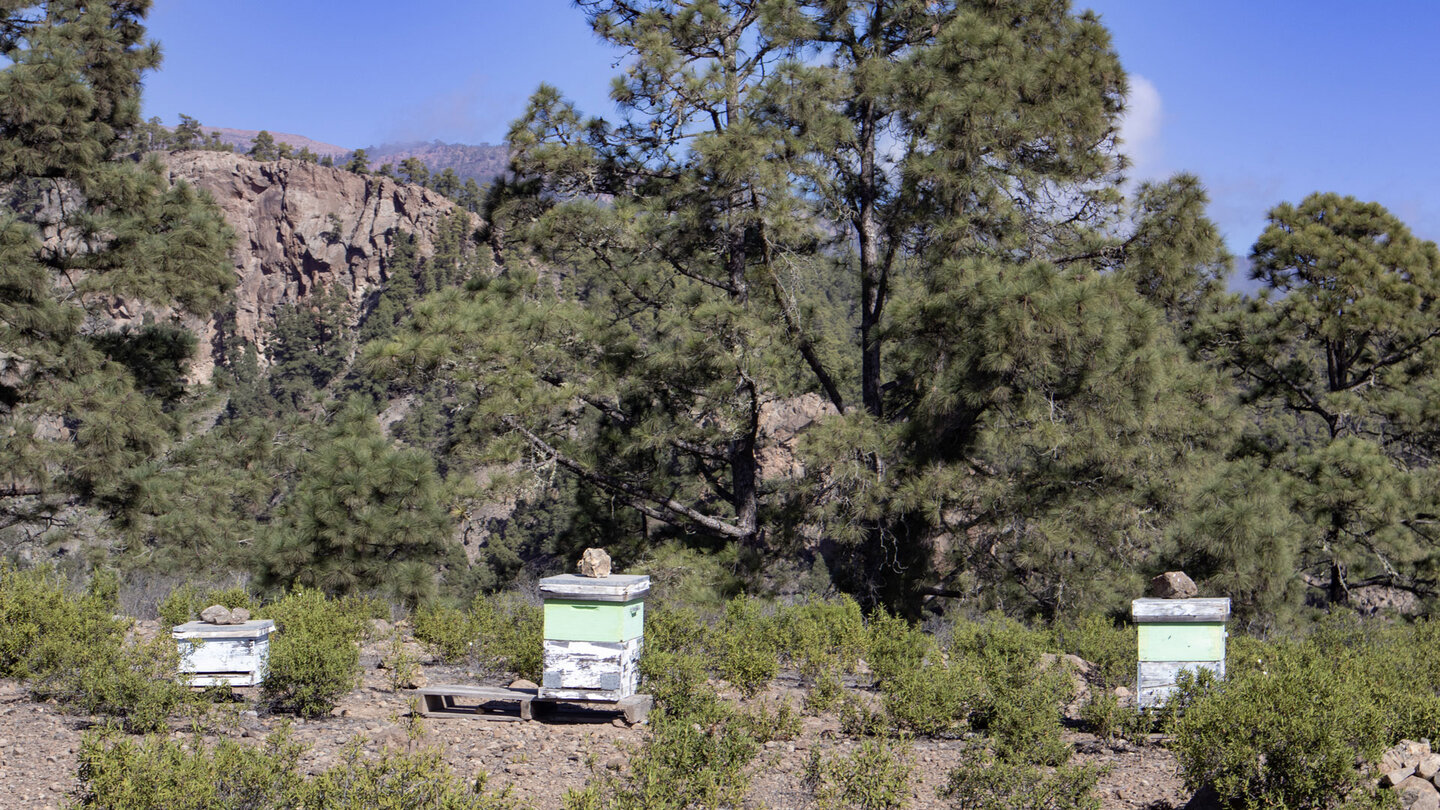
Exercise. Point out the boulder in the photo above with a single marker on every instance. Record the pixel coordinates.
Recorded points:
(1395, 777)
(216, 614)
(1428, 767)
(521, 683)
(1173, 585)
(595, 563)
(239, 615)
(1418, 794)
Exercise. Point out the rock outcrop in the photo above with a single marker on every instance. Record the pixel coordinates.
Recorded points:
(302, 227)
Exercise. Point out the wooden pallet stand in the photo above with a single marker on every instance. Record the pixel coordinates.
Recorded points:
(503, 703)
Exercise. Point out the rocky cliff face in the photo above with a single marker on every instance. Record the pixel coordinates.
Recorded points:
(302, 227)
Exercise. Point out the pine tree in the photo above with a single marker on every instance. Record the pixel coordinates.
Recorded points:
(363, 515)
(263, 147)
(414, 171)
(187, 134)
(1340, 358)
(358, 163)
(83, 228)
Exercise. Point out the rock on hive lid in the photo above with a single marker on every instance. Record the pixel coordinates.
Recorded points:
(614, 588)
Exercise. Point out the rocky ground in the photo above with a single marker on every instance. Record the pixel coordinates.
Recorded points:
(541, 758)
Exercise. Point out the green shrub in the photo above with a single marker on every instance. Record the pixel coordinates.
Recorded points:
(1096, 638)
(315, 653)
(181, 605)
(817, 636)
(162, 774)
(447, 634)
(1023, 696)
(685, 764)
(746, 646)
(764, 725)
(824, 692)
(135, 683)
(71, 649)
(398, 780)
(895, 647)
(933, 698)
(1104, 717)
(679, 681)
(236, 596)
(876, 776)
(981, 782)
(510, 634)
(1285, 728)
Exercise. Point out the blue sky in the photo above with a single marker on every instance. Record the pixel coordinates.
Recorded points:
(1265, 101)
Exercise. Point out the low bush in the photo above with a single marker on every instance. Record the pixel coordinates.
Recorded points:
(875, 776)
(895, 647)
(1096, 638)
(314, 654)
(509, 634)
(746, 645)
(71, 648)
(935, 697)
(686, 764)
(818, 636)
(983, 782)
(163, 774)
(1285, 728)
(446, 633)
(157, 773)
(1023, 696)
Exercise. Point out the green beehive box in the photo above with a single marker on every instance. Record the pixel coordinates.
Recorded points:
(594, 631)
(1177, 635)
(577, 620)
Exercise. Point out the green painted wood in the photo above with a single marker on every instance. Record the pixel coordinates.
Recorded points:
(576, 620)
(1182, 642)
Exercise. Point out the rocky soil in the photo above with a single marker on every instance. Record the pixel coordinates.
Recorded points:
(541, 758)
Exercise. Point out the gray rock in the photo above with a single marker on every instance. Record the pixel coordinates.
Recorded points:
(1395, 777)
(1418, 794)
(595, 563)
(1428, 767)
(521, 683)
(216, 614)
(1173, 585)
(239, 615)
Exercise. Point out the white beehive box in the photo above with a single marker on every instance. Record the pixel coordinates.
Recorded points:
(224, 654)
(1177, 635)
(594, 632)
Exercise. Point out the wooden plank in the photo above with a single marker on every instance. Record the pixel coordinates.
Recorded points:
(616, 588)
(472, 701)
(1180, 610)
(254, 629)
(1174, 641)
(1155, 680)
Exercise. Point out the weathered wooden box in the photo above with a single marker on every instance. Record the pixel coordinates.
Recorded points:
(1176, 635)
(594, 632)
(224, 654)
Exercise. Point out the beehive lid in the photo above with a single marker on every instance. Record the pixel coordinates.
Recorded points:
(255, 628)
(614, 588)
(1203, 609)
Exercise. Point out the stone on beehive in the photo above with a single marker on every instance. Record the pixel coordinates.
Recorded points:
(1173, 585)
(595, 563)
(216, 614)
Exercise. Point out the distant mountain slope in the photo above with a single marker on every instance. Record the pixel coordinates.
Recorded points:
(483, 162)
(242, 138)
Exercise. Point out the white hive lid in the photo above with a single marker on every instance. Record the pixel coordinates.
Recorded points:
(614, 588)
(255, 628)
(1202, 609)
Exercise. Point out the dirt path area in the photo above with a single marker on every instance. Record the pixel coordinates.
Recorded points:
(541, 759)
